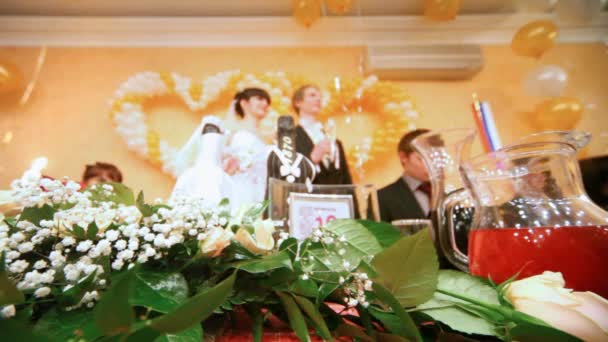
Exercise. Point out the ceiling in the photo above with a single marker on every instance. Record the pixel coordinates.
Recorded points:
(239, 8)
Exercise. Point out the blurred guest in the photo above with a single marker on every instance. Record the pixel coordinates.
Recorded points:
(100, 172)
(312, 140)
(409, 196)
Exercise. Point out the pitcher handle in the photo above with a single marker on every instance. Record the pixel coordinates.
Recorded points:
(447, 236)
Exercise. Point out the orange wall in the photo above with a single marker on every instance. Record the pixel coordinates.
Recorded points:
(67, 118)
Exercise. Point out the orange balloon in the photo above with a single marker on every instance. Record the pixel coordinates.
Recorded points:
(11, 77)
(339, 6)
(534, 39)
(307, 12)
(441, 10)
(562, 113)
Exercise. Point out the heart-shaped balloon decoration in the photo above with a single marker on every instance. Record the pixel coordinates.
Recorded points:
(386, 103)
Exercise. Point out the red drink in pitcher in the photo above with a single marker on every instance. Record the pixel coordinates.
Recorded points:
(579, 253)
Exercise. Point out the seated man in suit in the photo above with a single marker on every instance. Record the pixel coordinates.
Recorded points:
(409, 196)
(325, 151)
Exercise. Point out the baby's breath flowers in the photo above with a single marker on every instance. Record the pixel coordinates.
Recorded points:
(92, 234)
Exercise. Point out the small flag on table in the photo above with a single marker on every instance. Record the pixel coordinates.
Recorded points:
(482, 114)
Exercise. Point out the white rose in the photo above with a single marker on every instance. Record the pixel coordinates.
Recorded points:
(262, 241)
(104, 219)
(42, 292)
(215, 241)
(582, 314)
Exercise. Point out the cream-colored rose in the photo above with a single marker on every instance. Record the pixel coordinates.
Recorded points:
(582, 314)
(214, 243)
(262, 242)
(104, 219)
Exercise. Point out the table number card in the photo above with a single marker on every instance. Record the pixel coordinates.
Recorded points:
(309, 211)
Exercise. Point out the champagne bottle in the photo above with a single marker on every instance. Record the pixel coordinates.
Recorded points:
(284, 162)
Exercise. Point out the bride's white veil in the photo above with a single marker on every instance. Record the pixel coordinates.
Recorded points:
(231, 120)
(186, 156)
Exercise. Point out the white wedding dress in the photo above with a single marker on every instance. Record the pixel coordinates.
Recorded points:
(201, 173)
(249, 182)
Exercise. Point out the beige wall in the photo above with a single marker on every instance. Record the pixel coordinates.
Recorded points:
(67, 118)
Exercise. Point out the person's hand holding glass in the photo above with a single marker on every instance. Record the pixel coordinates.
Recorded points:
(330, 133)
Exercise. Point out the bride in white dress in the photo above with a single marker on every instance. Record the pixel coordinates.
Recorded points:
(242, 178)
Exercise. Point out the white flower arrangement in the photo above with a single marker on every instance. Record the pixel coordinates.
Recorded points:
(90, 230)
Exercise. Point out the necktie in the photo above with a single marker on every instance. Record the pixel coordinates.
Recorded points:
(426, 188)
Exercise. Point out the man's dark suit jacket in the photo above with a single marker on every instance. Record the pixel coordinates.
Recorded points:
(397, 201)
(329, 175)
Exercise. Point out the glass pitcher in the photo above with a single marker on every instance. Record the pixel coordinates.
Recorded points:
(578, 139)
(533, 215)
(442, 152)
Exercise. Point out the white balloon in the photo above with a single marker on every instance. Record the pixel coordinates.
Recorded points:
(548, 80)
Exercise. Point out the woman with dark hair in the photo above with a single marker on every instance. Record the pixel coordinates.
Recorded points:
(244, 152)
(246, 149)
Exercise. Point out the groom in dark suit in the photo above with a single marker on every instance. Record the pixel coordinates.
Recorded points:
(325, 151)
(409, 196)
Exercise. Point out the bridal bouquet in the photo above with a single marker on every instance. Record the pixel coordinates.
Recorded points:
(101, 263)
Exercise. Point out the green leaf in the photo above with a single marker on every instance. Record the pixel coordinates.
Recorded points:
(65, 325)
(257, 328)
(409, 269)
(196, 309)
(92, 231)
(159, 291)
(325, 290)
(296, 319)
(79, 232)
(37, 214)
(357, 236)
(390, 321)
(113, 314)
(265, 264)
(441, 307)
(311, 311)
(280, 277)
(76, 292)
(121, 194)
(352, 331)
(255, 211)
(409, 327)
(359, 245)
(145, 209)
(307, 288)
(385, 233)
(539, 333)
(9, 294)
(14, 330)
(194, 334)
(383, 337)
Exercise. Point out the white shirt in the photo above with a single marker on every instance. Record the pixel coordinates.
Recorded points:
(421, 196)
(313, 128)
(315, 131)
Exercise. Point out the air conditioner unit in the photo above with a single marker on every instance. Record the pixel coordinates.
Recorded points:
(425, 62)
